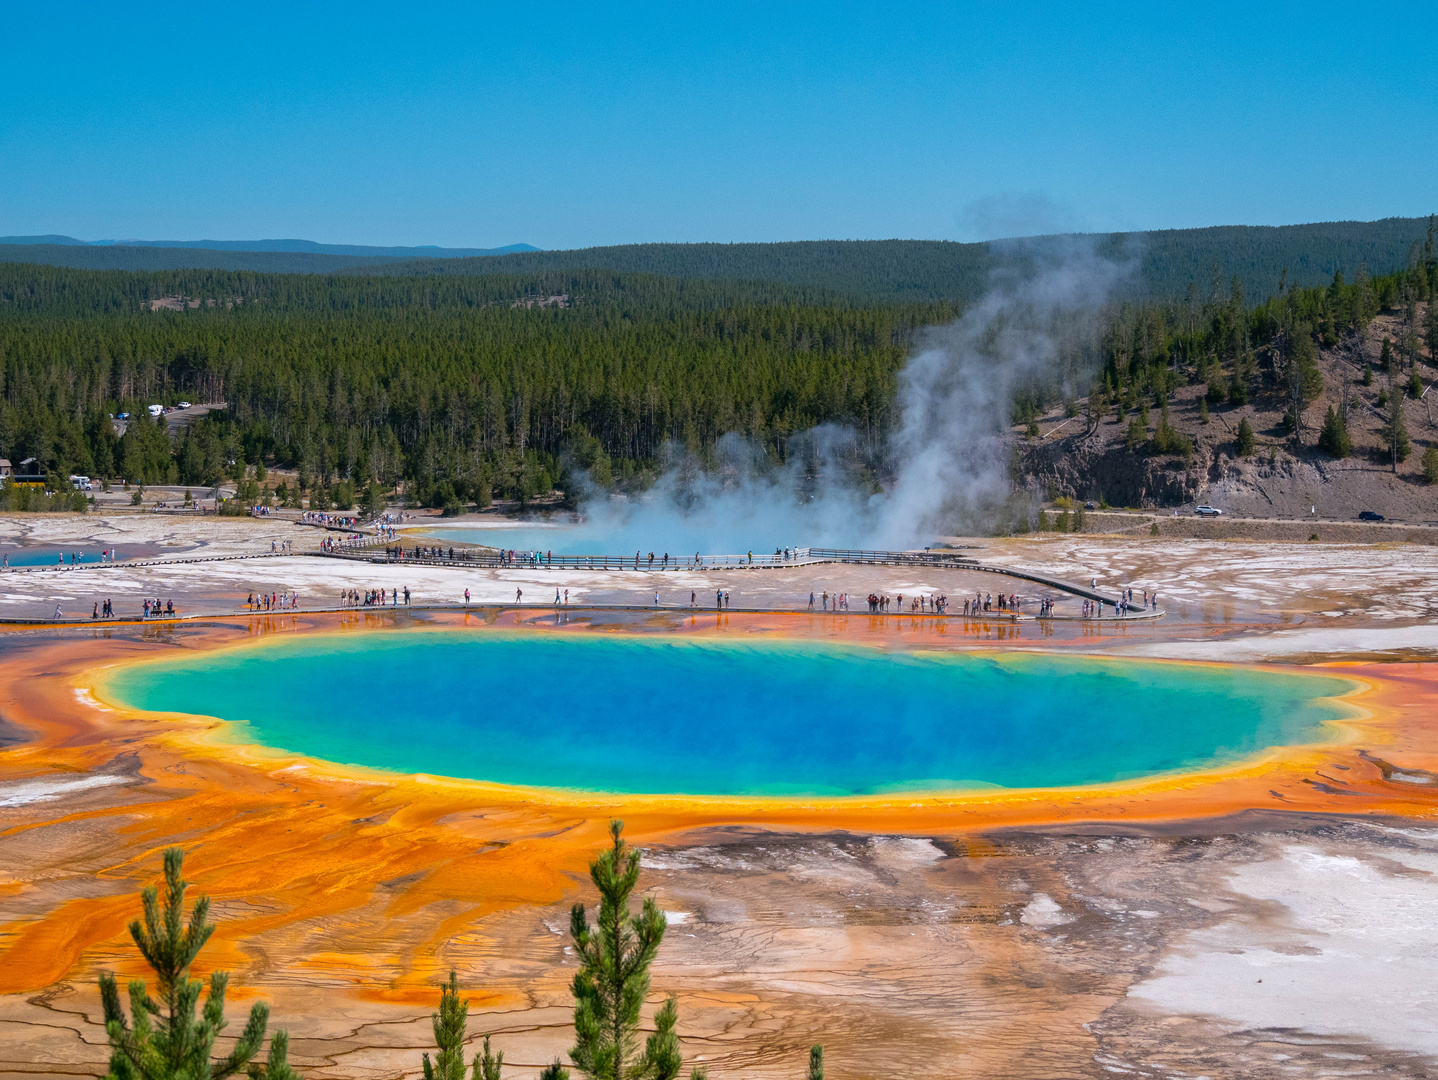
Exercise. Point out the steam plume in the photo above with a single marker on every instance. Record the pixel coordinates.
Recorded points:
(1032, 328)
(946, 467)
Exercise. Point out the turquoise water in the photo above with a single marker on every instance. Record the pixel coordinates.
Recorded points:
(677, 536)
(718, 717)
(561, 539)
(49, 556)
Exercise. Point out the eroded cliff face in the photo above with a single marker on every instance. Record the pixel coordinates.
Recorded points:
(1278, 483)
(1094, 469)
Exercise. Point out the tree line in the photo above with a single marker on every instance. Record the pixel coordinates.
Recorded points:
(465, 388)
(457, 386)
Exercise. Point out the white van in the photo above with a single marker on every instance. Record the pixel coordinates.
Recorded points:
(81, 483)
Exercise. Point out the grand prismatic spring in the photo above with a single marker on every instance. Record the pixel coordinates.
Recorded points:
(721, 717)
(913, 838)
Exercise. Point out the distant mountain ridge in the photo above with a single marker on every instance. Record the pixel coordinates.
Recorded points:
(865, 271)
(423, 251)
(1167, 260)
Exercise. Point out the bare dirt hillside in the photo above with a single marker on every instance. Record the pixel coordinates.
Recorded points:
(1281, 478)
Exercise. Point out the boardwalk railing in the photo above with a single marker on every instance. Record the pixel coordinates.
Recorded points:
(488, 558)
(438, 555)
(941, 558)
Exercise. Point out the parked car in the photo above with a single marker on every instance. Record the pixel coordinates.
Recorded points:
(1089, 506)
(1208, 511)
(183, 405)
(1369, 515)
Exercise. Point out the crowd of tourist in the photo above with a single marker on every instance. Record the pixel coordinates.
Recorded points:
(1122, 606)
(985, 602)
(330, 521)
(378, 597)
(399, 554)
(880, 603)
(284, 601)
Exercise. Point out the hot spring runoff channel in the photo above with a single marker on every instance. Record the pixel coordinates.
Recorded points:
(644, 715)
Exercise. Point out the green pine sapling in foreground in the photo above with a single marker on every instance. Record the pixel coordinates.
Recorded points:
(615, 955)
(449, 1033)
(164, 1040)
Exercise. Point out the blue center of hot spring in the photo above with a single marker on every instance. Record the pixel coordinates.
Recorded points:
(714, 717)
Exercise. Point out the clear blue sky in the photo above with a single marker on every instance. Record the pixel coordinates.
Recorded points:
(566, 126)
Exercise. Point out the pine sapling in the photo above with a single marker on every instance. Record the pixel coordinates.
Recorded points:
(163, 1040)
(449, 1035)
(615, 955)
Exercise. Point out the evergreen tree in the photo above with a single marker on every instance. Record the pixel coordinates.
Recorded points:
(1415, 384)
(1245, 441)
(1334, 440)
(449, 1034)
(374, 500)
(1166, 440)
(1237, 391)
(163, 1040)
(1203, 410)
(615, 955)
(816, 1064)
(1430, 465)
(1137, 433)
(1395, 432)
